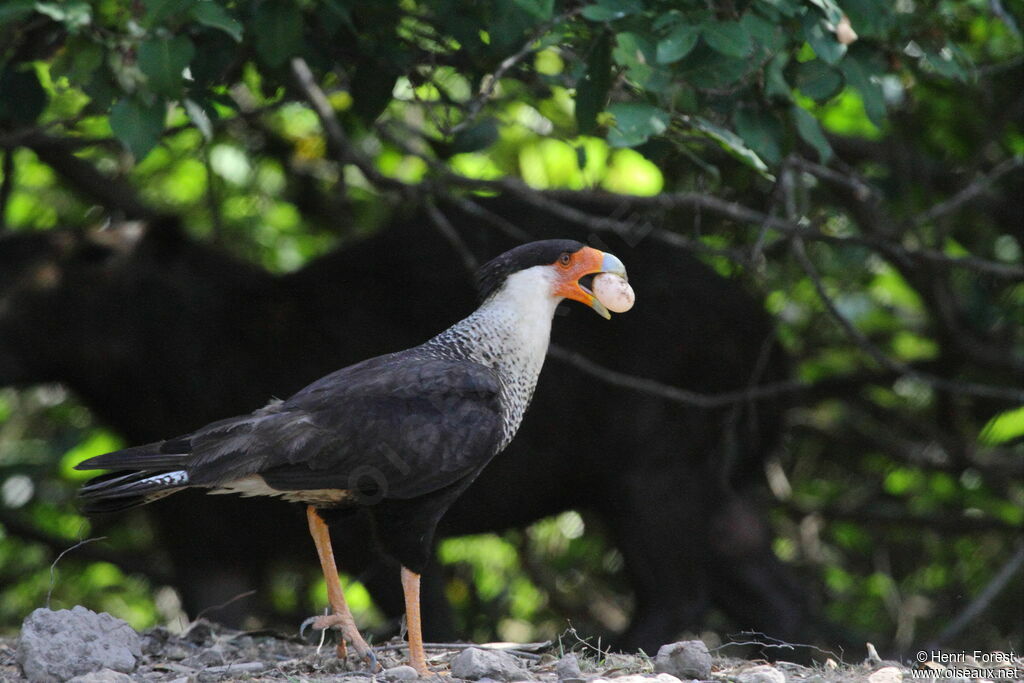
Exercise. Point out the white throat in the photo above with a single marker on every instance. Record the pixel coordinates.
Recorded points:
(510, 333)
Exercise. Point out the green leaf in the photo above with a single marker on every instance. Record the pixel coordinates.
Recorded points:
(830, 9)
(729, 38)
(944, 63)
(789, 8)
(818, 80)
(821, 40)
(199, 118)
(138, 125)
(159, 10)
(22, 98)
(278, 28)
(1004, 427)
(540, 10)
(775, 83)
(677, 44)
(209, 13)
(766, 34)
(730, 142)
(371, 91)
(859, 70)
(610, 10)
(808, 128)
(635, 123)
(12, 10)
(761, 131)
(163, 60)
(705, 68)
(592, 88)
(476, 137)
(74, 15)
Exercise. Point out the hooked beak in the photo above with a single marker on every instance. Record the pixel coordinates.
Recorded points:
(575, 280)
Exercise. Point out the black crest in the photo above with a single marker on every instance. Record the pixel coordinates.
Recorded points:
(492, 274)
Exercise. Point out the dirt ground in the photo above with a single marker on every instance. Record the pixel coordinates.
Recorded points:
(208, 652)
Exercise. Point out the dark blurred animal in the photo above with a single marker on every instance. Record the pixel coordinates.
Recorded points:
(157, 333)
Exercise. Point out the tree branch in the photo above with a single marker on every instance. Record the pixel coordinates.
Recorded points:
(112, 193)
(862, 342)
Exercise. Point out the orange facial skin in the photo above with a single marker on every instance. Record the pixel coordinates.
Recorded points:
(586, 261)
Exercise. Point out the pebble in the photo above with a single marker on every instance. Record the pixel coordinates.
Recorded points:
(761, 674)
(684, 659)
(403, 672)
(476, 663)
(887, 674)
(568, 668)
(613, 292)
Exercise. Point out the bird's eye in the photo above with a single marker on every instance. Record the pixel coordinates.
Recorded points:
(565, 259)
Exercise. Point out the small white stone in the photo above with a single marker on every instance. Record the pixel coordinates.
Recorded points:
(613, 292)
(887, 674)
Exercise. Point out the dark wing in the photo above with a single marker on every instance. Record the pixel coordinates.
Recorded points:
(400, 426)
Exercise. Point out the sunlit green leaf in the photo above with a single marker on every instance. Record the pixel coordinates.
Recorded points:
(1003, 428)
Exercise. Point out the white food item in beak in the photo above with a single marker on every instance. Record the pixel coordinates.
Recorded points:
(613, 292)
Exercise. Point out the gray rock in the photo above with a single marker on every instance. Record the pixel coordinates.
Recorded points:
(474, 663)
(761, 674)
(103, 676)
(568, 667)
(686, 659)
(59, 645)
(645, 678)
(401, 673)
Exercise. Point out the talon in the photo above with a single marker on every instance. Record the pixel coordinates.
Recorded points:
(304, 625)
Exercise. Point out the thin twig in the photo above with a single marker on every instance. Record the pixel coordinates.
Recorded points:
(975, 188)
(337, 140)
(770, 642)
(53, 565)
(489, 82)
(451, 235)
(214, 608)
(513, 649)
(667, 391)
(982, 600)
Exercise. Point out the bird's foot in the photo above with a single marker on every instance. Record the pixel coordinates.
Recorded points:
(349, 633)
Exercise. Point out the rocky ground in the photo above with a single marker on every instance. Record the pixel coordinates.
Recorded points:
(84, 647)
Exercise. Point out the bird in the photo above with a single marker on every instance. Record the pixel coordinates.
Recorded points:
(399, 436)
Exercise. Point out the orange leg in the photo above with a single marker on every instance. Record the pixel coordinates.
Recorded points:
(411, 588)
(342, 617)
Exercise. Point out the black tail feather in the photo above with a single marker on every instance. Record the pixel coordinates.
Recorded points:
(125, 489)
